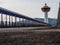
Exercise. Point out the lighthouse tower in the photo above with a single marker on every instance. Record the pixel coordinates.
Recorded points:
(45, 9)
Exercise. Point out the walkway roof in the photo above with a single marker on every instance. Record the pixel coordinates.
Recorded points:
(11, 13)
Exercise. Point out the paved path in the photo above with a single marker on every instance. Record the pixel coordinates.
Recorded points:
(26, 29)
(20, 29)
(23, 36)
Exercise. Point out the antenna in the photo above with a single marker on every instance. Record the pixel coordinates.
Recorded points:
(45, 4)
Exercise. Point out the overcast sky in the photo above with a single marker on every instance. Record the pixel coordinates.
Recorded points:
(31, 8)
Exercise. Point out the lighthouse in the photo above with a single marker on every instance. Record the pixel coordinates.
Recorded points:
(45, 9)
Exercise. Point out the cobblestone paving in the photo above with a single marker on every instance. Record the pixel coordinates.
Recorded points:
(30, 38)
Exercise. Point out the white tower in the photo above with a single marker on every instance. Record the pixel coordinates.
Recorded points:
(45, 9)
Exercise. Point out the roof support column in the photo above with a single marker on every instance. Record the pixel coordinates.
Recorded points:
(19, 22)
(9, 20)
(15, 21)
(24, 22)
(2, 20)
(12, 21)
(6, 21)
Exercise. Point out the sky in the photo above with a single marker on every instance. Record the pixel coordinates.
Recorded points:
(31, 8)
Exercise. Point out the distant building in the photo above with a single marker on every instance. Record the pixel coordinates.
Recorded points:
(51, 21)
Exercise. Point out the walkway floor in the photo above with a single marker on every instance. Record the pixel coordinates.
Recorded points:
(23, 36)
